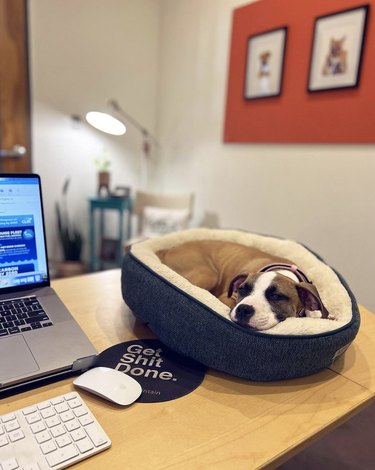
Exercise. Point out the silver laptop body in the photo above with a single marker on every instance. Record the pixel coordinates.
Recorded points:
(39, 338)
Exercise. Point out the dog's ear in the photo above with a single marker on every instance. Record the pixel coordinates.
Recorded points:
(310, 298)
(235, 283)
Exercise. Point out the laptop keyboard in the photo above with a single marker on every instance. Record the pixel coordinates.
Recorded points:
(20, 315)
(52, 434)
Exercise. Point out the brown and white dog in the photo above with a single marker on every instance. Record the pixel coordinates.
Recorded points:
(261, 290)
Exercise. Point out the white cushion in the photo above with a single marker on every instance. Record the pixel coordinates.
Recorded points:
(158, 221)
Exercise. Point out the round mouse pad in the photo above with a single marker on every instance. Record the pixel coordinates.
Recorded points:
(163, 374)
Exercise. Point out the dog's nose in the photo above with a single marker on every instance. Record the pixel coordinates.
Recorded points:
(244, 312)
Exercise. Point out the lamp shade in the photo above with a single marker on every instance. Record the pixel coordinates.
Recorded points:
(105, 123)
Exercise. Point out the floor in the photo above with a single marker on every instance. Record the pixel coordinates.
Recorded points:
(349, 447)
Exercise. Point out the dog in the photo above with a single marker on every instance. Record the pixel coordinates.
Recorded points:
(336, 60)
(261, 290)
(264, 71)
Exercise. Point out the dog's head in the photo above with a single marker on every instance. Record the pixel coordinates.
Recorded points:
(336, 46)
(264, 57)
(265, 299)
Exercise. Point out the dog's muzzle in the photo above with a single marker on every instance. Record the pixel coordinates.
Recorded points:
(244, 312)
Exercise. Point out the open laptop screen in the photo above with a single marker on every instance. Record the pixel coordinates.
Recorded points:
(23, 258)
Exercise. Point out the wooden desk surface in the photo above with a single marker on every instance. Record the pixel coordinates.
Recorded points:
(224, 423)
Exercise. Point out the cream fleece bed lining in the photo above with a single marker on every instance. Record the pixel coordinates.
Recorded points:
(332, 292)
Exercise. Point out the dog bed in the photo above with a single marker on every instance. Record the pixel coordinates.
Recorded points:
(196, 324)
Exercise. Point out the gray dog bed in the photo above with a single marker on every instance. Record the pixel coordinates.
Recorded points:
(196, 324)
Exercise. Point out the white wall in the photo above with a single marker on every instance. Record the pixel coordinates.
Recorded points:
(323, 196)
(82, 53)
(166, 62)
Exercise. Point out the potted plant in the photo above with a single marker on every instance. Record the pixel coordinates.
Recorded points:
(70, 238)
(102, 164)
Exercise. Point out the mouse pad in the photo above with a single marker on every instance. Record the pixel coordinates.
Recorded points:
(162, 373)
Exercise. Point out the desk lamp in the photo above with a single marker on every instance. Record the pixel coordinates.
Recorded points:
(109, 123)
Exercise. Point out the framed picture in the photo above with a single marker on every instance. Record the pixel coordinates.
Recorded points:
(264, 64)
(337, 50)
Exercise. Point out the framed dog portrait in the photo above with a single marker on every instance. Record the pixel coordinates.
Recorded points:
(264, 64)
(337, 50)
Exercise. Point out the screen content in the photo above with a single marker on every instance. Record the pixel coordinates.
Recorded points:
(22, 249)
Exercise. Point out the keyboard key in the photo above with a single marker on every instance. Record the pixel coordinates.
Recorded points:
(58, 431)
(37, 427)
(8, 417)
(61, 407)
(42, 436)
(72, 425)
(29, 410)
(14, 330)
(63, 441)
(11, 425)
(80, 411)
(61, 455)
(84, 445)
(74, 403)
(17, 435)
(48, 447)
(33, 418)
(57, 400)
(52, 421)
(48, 412)
(66, 416)
(10, 464)
(3, 440)
(43, 405)
(78, 434)
(85, 420)
(96, 435)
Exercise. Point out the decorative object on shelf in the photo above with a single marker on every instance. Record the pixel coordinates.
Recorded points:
(337, 49)
(264, 64)
(110, 124)
(121, 191)
(70, 238)
(102, 164)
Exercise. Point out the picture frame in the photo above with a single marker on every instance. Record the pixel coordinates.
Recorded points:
(265, 63)
(337, 49)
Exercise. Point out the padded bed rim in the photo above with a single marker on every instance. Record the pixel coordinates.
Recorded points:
(355, 310)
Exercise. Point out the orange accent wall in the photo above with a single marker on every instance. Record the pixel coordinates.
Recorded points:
(337, 116)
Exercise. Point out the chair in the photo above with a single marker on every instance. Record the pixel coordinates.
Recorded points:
(158, 214)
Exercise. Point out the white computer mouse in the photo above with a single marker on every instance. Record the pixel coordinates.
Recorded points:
(110, 384)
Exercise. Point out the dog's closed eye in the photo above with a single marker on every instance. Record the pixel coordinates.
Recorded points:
(245, 289)
(273, 295)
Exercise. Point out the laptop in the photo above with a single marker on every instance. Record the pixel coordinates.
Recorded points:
(39, 338)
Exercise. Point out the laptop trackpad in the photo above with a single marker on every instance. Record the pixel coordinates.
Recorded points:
(15, 358)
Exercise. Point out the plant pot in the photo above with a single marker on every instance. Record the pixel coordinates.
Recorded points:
(103, 183)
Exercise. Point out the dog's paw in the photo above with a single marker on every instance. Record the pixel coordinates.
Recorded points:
(313, 313)
(331, 317)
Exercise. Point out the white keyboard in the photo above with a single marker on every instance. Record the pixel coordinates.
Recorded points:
(52, 434)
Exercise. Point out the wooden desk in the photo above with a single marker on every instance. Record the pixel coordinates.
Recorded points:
(226, 422)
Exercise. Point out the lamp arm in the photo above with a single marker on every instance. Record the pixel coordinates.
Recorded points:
(114, 104)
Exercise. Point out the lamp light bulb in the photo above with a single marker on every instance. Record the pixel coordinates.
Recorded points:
(105, 123)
